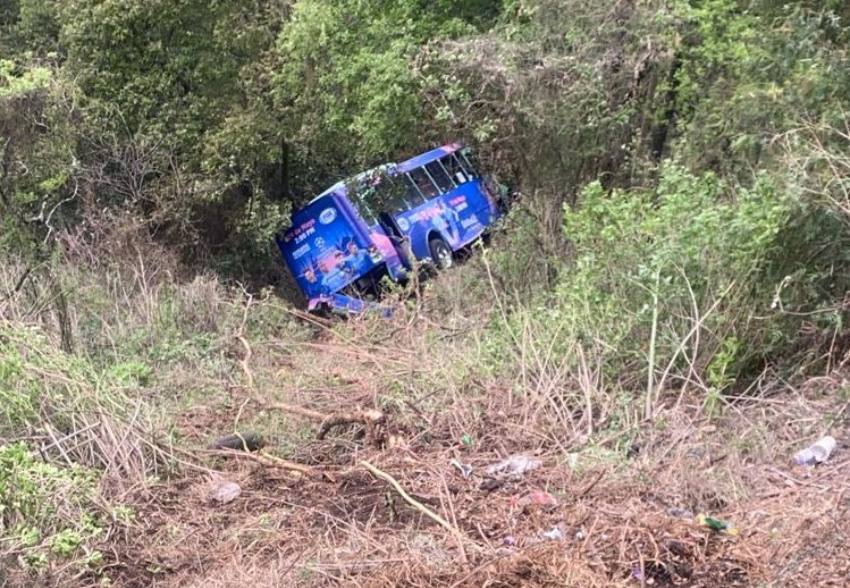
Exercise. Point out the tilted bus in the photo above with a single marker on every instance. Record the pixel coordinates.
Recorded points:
(382, 221)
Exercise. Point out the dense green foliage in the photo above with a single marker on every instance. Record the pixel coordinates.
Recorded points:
(205, 120)
(366, 105)
(718, 205)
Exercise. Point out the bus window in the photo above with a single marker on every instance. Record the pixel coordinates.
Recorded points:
(424, 183)
(440, 177)
(455, 169)
(363, 208)
(469, 160)
(390, 195)
(414, 196)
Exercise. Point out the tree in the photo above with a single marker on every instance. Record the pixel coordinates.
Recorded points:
(347, 89)
(37, 162)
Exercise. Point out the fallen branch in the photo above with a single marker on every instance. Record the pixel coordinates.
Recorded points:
(456, 533)
(371, 419)
(273, 460)
(270, 460)
(586, 490)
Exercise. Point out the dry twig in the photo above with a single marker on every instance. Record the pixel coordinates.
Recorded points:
(456, 533)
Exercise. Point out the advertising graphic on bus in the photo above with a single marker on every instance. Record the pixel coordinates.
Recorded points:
(382, 221)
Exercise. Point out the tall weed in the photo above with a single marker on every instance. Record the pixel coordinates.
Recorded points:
(678, 285)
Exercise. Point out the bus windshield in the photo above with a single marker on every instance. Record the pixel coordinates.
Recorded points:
(391, 195)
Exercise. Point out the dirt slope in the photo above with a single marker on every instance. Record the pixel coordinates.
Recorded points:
(618, 507)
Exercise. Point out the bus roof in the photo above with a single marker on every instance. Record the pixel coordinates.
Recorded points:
(403, 167)
(427, 157)
(338, 188)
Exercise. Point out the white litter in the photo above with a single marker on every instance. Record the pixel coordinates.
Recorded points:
(816, 453)
(515, 465)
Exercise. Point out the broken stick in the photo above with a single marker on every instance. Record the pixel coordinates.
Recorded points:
(371, 419)
(268, 459)
(456, 533)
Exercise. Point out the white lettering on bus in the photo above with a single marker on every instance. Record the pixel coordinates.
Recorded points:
(300, 251)
(468, 222)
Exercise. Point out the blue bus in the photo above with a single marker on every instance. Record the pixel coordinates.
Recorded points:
(382, 221)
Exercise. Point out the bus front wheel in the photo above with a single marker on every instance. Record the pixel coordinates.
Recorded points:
(441, 253)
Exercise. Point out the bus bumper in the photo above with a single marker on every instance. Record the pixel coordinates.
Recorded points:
(341, 304)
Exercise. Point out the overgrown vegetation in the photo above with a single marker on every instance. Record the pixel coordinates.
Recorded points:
(49, 511)
(676, 261)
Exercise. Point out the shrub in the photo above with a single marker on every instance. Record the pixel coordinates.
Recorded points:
(47, 511)
(683, 280)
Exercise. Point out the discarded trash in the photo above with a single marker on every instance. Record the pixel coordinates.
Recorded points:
(466, 440)
(538, 498)
(226, 492)
(239, 441)
(515, 465)
(816, 453)
(716, 524)
(553, 534)
(509, 541)
(465, 469)
(680, 513)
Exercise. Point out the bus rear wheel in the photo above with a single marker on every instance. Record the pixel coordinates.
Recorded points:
(441, 253)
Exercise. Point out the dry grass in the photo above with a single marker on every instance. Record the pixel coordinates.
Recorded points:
(626, 491)
(620, 491)
(614, 517)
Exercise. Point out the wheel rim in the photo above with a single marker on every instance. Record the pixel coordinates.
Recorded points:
(444, 256)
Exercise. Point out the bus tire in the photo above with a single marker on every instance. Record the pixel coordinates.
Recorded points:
(323, 311)
(441, 253)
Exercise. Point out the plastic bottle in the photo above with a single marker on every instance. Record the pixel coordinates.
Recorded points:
(816, 453)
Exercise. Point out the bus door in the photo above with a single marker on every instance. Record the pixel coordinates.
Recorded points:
(400, 202)
(379, 233)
